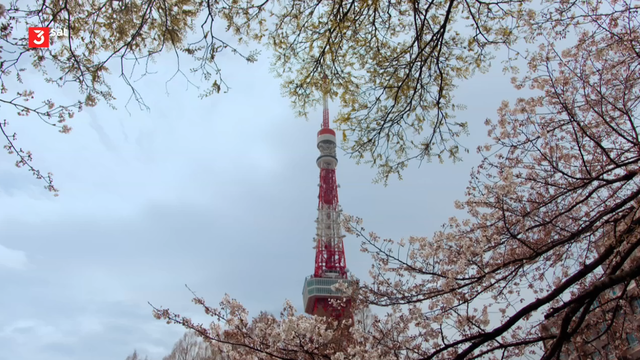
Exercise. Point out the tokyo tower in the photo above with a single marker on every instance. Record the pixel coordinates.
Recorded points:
(331, 264)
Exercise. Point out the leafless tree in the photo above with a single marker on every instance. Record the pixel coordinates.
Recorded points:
(191, 347)
(136, 356)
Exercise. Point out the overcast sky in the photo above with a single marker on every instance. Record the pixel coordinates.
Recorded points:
(219, 194)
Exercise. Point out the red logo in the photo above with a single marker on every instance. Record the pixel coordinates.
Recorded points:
(38, 37)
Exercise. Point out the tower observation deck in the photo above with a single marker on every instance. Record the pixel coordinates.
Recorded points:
(330, 263)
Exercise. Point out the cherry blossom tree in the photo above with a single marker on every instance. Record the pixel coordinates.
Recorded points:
(549, 239)
(552, 214)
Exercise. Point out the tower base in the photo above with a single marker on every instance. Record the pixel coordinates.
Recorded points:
(316, 294)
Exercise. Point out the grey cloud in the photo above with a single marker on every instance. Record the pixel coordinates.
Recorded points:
(14, 259)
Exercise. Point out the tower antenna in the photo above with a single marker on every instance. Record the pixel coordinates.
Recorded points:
(325, 101)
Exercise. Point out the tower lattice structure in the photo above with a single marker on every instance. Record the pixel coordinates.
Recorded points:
(330, 263)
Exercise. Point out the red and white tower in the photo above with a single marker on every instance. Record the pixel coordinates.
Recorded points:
(331, 264)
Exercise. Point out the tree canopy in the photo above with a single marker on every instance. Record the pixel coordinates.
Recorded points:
(393, 64)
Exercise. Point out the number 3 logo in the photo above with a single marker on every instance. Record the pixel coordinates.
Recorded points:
(39, 36)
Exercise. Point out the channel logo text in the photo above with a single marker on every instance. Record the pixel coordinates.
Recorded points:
(39, 36)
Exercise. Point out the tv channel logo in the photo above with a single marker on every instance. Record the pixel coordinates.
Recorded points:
(39, 36)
